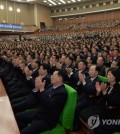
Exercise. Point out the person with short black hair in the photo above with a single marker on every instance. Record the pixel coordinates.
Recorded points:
(51, 104)
(110, 98)
(115, 64)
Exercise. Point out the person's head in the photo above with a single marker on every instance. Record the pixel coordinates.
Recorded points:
(93, 71)
(116, 52)
(30, 58)
(63, 57)
(78, 58)
(44, 69)
(94, 50)
(58, 77)
(69, 60)
(115, 64)
(113, 75)
(35, 64)
(100, 61)
(82, 65)
(41, 56)
(105, 53)
(55, 57)
(89, 60)
(85, 49)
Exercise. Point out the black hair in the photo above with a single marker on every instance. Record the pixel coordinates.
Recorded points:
(118, 62)
(63, 74)
(115, 73)
(38, 62)
(97, 68)
(56, 56)
(84, 62)
(70, 58)
(46, 67)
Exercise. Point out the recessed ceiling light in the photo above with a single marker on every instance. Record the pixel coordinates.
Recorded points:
(50, 4)
(68, 1)
(10, 9)
(73, 0)
(1, 7)
(59, 3)
(63, 1)
(45, 1)
(18, 10)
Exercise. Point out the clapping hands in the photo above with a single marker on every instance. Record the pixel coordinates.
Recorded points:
(101, 87)
(39, 84)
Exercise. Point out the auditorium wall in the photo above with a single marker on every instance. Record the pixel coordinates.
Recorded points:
(43, 15)
(26, 16)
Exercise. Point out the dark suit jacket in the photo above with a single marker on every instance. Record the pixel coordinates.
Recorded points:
(51, 104)
(102, 70)
(112, 99)
(35, 73)
(75, 77)
(29, 101)
(46, 78)
(89, 87)
(33, 96)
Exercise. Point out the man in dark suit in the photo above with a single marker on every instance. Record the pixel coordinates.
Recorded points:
(87, 85)
(29, 75)
(30, 58)
(82, 68)
(51, 104)
(31, 100)
(100, 64)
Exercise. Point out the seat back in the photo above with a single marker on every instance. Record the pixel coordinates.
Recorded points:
(102, 78)
(67, 116)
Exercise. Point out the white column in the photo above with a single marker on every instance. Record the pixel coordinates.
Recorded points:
(6, 11)
(14, 12)
(35, 14)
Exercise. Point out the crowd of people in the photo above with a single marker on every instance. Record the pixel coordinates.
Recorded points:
(83, 25)
(78, 59)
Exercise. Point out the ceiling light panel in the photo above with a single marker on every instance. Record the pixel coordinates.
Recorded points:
(62, 1)
(51, 2)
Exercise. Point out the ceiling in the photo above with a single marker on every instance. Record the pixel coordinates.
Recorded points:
(51, 3)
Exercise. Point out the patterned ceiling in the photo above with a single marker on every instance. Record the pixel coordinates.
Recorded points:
(52, 2)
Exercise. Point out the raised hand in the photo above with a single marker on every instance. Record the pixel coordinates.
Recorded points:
(98, 87)
(81, 77)
(27, 71)
(39, 84)
(103, 88)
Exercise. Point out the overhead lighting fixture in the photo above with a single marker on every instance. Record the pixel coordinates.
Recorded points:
(73, 0)
(59, 3)
(45, 1)
(1, 7)
(52, 2)
(10, 9)
(68, 1)
(18, 10)
(63, 1)
(79, 0)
